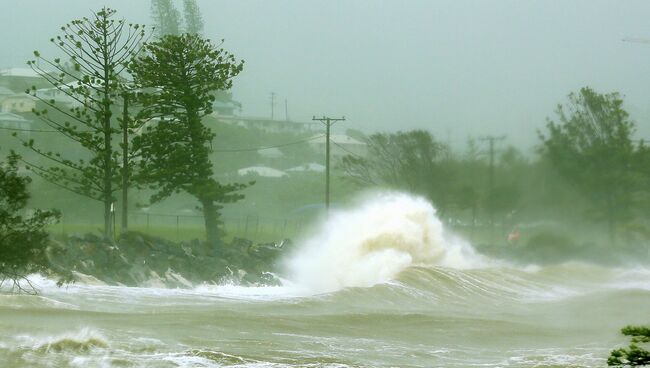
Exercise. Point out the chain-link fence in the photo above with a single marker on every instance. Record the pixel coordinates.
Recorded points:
(191, 226)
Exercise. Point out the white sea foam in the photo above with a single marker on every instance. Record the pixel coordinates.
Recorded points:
(373, 242)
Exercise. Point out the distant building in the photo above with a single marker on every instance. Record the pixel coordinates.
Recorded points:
(314, 167)
(15, 102)
(270, 152)
(15, 81)
(57, 95)
(224, 104)
(19, 73)
(13, 122)
(21, 79)
(4, 92)
(263, 171)
(268, 125)
(340, 145)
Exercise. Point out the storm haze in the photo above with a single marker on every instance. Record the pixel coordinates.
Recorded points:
(333, 184)
(455, 68)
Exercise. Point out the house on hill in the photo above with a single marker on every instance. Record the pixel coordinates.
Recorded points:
(58, 96)
(310, 167)
(11, 101)
(21, 79)
(15, 123)
(269, 125)
(263, 171)
(224, 104)
(340, 145)
(271, 152)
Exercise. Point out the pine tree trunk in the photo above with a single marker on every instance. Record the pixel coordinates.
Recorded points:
(125, 164)
(211, 222)
(611, 221)
(106, 127)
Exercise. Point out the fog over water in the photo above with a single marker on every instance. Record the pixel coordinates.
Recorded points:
(457, 68)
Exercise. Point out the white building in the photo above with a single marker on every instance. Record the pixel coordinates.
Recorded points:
(269, 125)
(15, 102)
(312, 166)
(271, 152)
(15, 123)
(340, 145)
(263, 171)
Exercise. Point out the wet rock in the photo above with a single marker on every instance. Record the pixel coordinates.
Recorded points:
(136, 259)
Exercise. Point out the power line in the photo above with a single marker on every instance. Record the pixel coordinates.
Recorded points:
(269, 147)
(30, 130)
(43, 130)
(346, 150)
(224, 150)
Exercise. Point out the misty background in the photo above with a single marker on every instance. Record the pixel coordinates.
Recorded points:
(454, 68)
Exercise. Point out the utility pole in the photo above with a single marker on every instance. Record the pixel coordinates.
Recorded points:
(286, 110)
(491, 139)
(328, 125)
(272, 104)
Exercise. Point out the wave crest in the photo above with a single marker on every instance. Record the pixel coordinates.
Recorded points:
(373, 242)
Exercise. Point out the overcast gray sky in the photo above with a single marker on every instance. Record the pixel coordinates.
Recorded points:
(457, 68)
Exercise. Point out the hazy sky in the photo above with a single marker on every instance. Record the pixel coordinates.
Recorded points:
(457, 68)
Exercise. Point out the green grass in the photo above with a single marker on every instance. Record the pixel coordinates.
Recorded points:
(261, 233)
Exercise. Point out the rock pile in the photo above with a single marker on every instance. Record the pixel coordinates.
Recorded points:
(136, 259)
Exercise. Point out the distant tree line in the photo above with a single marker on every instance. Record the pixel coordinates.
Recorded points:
(168, 20)
(587, 158)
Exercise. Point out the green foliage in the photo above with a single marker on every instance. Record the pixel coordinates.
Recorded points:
(591, 146)
(638, 333)
(411, 160)
(23, 241)
(416, 162)
(183, 72)
(634, 355)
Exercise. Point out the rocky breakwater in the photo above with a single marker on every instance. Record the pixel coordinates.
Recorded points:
(136, 259)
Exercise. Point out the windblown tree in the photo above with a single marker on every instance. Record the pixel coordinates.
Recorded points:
(23, 240)
(183, 72)
(166, 18)
(469, 191)
(635, 355)
(193, 19)
(99, 49)
(591, 146)
(506, 194)
(411, 160)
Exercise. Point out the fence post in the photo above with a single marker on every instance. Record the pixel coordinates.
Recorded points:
(178, 234)
(147, 222)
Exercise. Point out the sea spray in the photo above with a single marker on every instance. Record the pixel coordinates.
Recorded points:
(373, 242)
